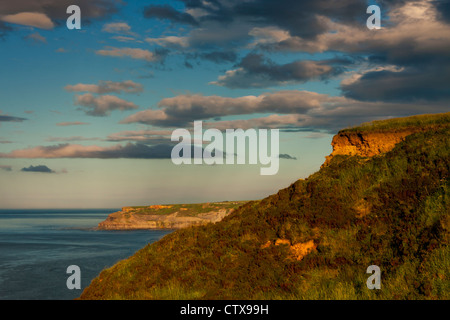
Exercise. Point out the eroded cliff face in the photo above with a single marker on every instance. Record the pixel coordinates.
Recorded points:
(367, 144)
(174, 217)
(128, 220)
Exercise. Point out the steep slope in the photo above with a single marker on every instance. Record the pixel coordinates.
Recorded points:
(316, 238)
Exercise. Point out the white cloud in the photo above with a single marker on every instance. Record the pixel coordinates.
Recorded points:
(415, 24)
(182, 109)
(286, 109)
(36, 37)
(66, 150)
(118, 28)
(31, 19)
(267, 35)
(72, 123)
(134, 53)
(127, 86)
(170, 41)
(102, 105)
(354, 76)
(126, 39)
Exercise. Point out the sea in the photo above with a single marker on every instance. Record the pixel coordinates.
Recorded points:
(38, 246)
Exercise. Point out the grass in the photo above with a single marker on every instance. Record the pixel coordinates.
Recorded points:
(421, 121)
(187, 210)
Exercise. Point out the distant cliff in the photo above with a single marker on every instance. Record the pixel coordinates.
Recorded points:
(168, 216)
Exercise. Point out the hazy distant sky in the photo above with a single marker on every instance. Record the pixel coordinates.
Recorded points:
(86, 115)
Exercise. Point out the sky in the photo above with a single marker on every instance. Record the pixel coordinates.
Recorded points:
(86, 115)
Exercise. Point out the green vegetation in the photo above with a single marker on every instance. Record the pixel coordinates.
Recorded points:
(391, 210)
(419, 121)
(185, 210)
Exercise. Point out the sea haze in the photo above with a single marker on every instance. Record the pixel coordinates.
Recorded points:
(37, 246)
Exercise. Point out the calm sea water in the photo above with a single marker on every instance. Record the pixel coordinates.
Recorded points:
(37, 246)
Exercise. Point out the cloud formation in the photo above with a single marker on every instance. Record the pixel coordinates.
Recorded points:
(71, 123)
(254, 71)
(169, 13)
(36, 37)
(169, 41)
(102, 105)
(49, 14)
(403, 68)
(304, 22)
(134, 53)
(285, 109)
(286, 156)
(31, 19)
(130, 150)
(273, 121)
(142, 136)
(56, 9)
(39, 168)
(118, 27)
(127, 86)
(183, 109)
(5, 118)
(420, 54)
(400, 62)
(219, 56)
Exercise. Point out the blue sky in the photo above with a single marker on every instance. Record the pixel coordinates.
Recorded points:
(83, 103)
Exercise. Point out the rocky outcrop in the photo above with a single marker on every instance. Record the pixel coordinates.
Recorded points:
(367, 144)
(297, 251)
(131, 218)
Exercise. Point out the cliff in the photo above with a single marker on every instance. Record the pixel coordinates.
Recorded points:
(378, 137)
(316, 238)
(366, 144)
(168, 216)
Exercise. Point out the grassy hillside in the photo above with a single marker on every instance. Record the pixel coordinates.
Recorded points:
(419, 121)
(390, 210)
